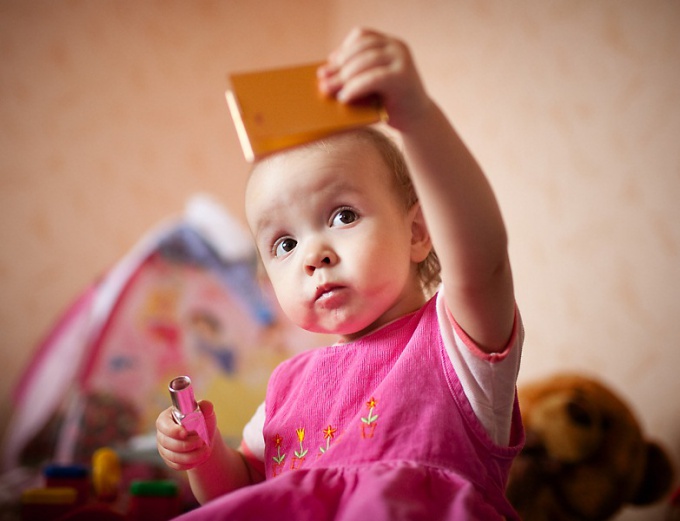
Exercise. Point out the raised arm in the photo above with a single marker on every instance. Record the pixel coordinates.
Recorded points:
(459, 206)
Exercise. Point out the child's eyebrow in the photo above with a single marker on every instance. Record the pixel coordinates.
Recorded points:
(262, 224)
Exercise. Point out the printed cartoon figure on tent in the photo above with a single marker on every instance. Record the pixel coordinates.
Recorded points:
(186, 300)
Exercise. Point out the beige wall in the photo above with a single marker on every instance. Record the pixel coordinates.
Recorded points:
(111, 113)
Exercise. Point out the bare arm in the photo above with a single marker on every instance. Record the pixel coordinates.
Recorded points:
(209, 480)
(466, 227)
(459, 206)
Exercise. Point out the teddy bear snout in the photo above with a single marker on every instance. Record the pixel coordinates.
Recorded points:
(579, 414)
(585, 423)
(569, 426)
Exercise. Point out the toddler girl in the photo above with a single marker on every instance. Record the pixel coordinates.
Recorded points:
(412, 413)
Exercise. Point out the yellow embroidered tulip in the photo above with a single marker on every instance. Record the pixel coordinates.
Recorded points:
(302, 452)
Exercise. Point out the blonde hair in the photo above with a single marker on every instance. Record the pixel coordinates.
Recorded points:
(430, 268)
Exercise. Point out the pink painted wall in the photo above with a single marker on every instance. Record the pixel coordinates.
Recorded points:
(112, 113)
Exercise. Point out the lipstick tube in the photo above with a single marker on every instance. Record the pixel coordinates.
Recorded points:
(185, 409)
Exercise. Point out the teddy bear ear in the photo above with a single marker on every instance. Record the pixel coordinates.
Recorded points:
(658, 476)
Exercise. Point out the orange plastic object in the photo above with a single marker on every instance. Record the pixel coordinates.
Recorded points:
(281, 108)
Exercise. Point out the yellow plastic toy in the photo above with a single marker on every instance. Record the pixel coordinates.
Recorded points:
(106, 474)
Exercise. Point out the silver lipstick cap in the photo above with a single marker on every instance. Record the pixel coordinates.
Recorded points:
(182, 396)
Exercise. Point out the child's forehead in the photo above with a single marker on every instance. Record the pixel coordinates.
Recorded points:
(331, 147)
(344, 154)
(341, 166)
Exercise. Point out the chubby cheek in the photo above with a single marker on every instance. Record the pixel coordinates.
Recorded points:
(289, 299)
(386, 264)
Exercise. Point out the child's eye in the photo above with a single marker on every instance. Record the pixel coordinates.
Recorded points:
(344, 217)
(284, 246)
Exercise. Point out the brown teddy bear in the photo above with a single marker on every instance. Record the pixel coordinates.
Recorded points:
(585, 456)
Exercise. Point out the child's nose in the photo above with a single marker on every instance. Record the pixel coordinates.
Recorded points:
(319, 258)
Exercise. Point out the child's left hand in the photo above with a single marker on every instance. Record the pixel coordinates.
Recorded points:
(371, 63)
(180, 449)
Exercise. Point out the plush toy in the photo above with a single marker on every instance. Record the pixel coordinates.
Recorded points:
(585, 456)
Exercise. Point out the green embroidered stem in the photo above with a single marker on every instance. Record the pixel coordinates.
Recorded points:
(279, 457)
(302, 452)
(371, 407)
(371, 417)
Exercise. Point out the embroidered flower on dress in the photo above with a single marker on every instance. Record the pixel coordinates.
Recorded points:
(369, 424)
(277, 443)
(371, 417)
(328, 434)
(301, 437)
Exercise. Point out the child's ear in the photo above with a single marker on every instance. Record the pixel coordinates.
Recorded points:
(421, 244)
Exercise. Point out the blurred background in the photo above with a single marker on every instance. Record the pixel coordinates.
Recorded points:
(112, 114)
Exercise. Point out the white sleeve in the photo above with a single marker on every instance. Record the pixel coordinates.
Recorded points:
(488, 380)
(253, 437)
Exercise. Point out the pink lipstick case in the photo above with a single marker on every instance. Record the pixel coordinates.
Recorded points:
(185, 409)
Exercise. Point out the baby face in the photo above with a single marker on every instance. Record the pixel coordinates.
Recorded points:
(334, 238)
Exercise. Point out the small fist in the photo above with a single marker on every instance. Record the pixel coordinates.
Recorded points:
(180, 449)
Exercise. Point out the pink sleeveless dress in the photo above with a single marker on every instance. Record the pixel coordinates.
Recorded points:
(378, 429)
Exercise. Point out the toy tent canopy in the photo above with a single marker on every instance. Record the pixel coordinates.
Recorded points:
(185, 300)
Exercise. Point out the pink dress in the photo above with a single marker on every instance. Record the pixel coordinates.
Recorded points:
(378, 429)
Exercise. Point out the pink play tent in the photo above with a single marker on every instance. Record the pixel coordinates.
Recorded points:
(185, 300)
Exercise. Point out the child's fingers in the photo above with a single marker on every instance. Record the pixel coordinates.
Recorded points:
(208, 411)
(366, 63)
(349, 60)
(357, 41)
(338, 67)
(332, 82)
(368, 47)
(184, 460)
(207, 408)
(365, 75)
(181, 453)
(329, 82)
(373, 75)
(188, 442)
(175, 437)
(166, 424)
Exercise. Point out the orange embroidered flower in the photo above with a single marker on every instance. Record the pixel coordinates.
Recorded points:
(329, 432)
(371, 404)
(277, 440)
(300, 434)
